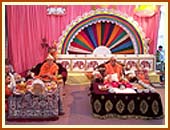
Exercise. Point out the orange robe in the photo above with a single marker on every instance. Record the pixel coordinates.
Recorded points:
(7, 94)
(7, 91)
(141, 76)
(51, 70)
(114, 69)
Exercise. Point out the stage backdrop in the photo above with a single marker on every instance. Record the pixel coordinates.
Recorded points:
(29, 28)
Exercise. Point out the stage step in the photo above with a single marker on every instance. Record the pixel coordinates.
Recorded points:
(77, 78)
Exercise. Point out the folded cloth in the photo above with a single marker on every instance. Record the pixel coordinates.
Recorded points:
(111, 77)
(117, 90)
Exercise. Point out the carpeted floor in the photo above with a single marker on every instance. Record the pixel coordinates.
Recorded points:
(78, 111)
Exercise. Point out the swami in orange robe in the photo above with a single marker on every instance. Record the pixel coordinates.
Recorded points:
(49, 69)
(112, 67)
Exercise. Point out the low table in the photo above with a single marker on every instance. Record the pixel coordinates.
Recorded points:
(125, 105)
(32, 107)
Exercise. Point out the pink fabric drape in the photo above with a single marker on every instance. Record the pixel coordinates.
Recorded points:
(28, 24)
(150, 25)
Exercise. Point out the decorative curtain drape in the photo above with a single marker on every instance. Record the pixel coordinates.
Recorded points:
(27, 25)
(150, 25)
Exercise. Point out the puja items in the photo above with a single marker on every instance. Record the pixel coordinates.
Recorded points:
(96, 74)
(59, 77)
(17, 77)
(115, 84)
(111, 77)
(89, 75)
(50, 86)
(38, 87)
(29, 85)
(103, 87)
(21, 87)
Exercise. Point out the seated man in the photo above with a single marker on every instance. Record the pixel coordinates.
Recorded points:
(134, 75)
(12, 75)
(112, 67)
(143, 76)
(48, 70)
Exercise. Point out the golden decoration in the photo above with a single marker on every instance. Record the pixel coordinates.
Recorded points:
(110, 115)
(115, 97)
(155, 107)
(126, 97)
(97, 106)
(143, 106)
(108, 106)
(131, 106)
(120, 106)
(149, 98)
(102, 97)
(138, 98)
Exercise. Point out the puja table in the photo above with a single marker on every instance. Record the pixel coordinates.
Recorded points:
(33, 107)
(125, 105)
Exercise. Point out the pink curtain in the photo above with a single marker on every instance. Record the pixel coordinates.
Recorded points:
(28, 24)
(150, 25)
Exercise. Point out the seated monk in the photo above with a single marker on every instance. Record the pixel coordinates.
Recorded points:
(112, 67)
(48, 70)
(135, 75)
(141, 74)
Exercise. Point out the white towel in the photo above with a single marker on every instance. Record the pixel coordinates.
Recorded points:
(117, 90)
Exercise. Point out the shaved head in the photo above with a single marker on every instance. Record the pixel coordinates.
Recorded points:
(112, 60)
